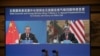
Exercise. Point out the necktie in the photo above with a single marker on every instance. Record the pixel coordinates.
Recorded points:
(27, 36)
(66, 36)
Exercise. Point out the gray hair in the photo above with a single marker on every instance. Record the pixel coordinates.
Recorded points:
(66, 27)
(27, 27)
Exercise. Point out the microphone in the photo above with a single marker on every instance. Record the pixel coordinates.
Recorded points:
(55, 53)
(44, 52)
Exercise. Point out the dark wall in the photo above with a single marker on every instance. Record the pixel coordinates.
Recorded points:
(95, 18)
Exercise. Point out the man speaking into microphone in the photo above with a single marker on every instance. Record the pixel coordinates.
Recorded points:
(28, 35)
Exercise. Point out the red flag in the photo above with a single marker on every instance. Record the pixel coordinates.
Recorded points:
(12, 33)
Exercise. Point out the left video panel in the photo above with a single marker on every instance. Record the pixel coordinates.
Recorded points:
(24, 32)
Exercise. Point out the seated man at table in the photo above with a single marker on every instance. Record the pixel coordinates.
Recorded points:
(28, 35)
(67, 36)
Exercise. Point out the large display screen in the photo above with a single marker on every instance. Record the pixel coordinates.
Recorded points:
(61, 28)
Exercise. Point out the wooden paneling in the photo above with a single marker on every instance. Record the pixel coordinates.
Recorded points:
(46, 2)
(2, 51)
(2, 31)
(95, 8)
(95, 29)
(95, 33)
(95, 51)
(95, 17)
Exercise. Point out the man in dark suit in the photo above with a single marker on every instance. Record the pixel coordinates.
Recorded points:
(67, 35)
(28, 35)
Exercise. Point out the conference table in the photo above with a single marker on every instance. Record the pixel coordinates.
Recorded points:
(36, 49)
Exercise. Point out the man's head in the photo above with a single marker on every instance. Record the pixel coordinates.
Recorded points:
(66, 30)
(27, 29)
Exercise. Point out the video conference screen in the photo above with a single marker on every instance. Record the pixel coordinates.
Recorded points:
(47, 26)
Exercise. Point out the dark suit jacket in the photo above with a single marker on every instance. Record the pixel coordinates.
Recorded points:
(71, 37)
(31, 36)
